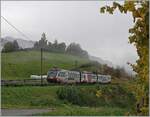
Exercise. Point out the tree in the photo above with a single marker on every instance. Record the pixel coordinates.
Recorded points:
(11, 46)
(54, 46)
(15, 44)
(42, 43)
(140, 38)
(49, 47)
(61, 47)
(8, 47)
(36, 45)
(75, 49)
(118, 72)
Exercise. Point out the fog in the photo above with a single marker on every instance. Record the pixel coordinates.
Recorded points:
(102, 35)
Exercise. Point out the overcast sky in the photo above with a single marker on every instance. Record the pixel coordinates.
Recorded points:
(102, 35)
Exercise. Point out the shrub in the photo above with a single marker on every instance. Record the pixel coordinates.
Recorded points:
(77, 96)
(116, 95)
(109, 96)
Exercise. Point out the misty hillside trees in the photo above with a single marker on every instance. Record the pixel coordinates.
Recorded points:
(11, 46)
(73, 48)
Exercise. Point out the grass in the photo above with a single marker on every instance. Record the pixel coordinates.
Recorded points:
(29, 97)
(46, 97)
(85, 111)
(20, 65)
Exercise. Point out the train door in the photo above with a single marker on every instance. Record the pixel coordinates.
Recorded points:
(89, 77)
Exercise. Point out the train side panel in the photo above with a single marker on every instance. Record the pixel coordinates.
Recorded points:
(73, 77)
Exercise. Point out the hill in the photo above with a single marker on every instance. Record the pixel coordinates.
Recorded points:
(21, 64)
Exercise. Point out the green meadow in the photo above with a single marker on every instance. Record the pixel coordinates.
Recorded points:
(22, 64)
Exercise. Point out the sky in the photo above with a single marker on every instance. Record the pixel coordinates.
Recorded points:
(102, 35)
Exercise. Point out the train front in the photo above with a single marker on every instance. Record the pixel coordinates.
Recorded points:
(52, 76)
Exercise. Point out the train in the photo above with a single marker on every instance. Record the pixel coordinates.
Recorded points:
(67, 76)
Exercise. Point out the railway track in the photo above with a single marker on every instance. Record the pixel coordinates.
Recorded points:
(37, 82)
(31, 82)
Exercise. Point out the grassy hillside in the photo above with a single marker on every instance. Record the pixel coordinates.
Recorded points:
(20, 65)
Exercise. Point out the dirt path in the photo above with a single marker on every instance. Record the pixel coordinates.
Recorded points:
(23, 112)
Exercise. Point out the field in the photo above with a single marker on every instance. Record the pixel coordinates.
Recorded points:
(22, 64)
(46, 97)
(63, 99)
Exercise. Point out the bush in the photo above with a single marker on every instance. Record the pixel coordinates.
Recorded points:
(69, 93)
(116, 95)
(78, 96)
(110, 96)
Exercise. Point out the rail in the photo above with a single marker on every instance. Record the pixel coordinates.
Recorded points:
(37, 82)
(23, 82)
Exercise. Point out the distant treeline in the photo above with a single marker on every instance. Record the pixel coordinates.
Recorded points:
(72, 48)
(96, 67)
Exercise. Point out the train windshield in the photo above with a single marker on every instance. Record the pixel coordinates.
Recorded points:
(52, 73)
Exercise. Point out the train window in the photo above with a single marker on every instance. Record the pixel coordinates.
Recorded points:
(62, 74)
(52, 73)
(59, 74)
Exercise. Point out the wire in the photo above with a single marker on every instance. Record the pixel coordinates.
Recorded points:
(15, 28)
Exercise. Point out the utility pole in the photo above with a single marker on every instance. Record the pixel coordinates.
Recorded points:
(41, 66)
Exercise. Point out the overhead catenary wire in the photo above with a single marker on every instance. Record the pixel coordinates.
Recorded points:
(15, 27)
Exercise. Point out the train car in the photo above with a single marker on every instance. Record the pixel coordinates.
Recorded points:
(63, 76)
(104, 78)
(88, 77)
(73, 77)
